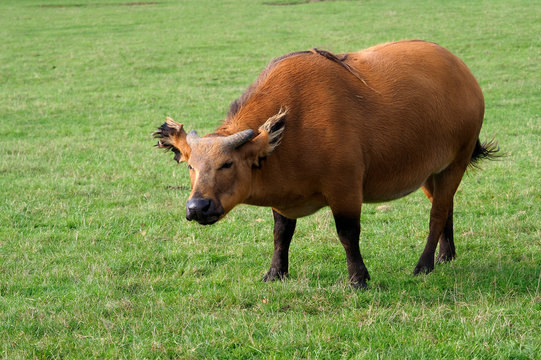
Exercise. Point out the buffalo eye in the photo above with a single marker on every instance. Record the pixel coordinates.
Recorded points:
(227, 165)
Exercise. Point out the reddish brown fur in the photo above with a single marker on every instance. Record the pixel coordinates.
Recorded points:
(379, 142)
(367, 126)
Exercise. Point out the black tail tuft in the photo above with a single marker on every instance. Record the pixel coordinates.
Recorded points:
(486, 150)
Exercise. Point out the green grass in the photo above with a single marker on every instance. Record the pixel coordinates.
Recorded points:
(97, 261)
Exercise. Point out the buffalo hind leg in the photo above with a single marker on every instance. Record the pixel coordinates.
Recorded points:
(444, 185)
(447, 245)
(349, 229)
(283, 232)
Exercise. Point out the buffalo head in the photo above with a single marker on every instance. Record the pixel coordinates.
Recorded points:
(220, 166)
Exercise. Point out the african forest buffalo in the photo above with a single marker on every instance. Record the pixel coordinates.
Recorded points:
(320, 129)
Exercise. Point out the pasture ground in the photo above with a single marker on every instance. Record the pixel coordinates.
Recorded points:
(97, 261)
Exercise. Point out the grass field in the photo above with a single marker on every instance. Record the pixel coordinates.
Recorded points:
(97, 261)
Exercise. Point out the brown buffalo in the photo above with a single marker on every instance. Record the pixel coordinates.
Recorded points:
(318, 129)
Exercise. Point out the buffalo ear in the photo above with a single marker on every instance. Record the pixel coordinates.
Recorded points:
(269, 137)
(274, 127)
(172, 136)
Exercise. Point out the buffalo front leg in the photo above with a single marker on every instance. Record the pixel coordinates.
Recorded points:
(349, 229)
(283, 232)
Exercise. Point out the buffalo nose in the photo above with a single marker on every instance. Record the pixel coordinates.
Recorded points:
(197, 208)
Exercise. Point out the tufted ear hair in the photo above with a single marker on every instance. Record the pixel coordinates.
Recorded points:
(268, 139)
(172, 136)
(274, 127)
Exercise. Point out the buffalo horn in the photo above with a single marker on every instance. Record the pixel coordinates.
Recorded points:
(238, 139)
(192, 138)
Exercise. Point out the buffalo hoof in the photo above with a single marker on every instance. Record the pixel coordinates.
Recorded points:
(359, 285)
(358, 281)
(275, 274)
(422, 269)
(445, 257)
